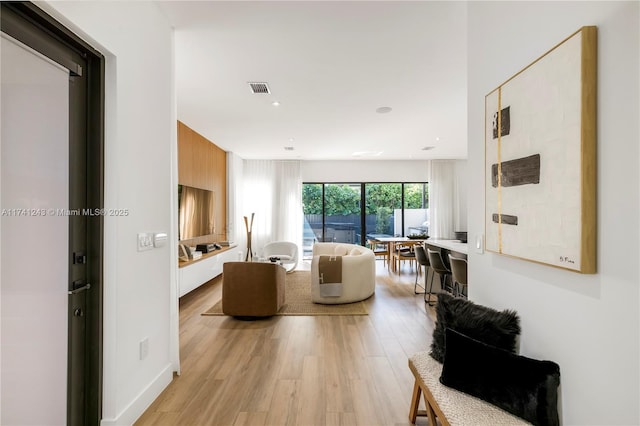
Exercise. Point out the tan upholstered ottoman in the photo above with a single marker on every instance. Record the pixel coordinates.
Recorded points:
(252, 289)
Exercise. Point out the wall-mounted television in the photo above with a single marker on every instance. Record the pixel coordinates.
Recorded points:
(195, 212)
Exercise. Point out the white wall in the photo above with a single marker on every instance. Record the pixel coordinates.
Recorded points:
(588, 324)
(364, 171)
(139, 287)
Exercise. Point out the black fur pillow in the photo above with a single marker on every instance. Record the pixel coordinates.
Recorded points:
(525, 387)
(496, 328)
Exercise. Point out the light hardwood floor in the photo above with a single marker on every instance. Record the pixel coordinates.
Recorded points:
(298, 370)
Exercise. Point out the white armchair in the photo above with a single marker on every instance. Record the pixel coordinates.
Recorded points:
(284, 251)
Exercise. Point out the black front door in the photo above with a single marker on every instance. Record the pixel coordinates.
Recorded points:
(29, 25)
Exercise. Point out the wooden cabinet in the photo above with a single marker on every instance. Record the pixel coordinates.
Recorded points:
(194, 273)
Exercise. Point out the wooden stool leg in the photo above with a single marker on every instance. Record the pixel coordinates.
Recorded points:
(415, 402)
(431, 415)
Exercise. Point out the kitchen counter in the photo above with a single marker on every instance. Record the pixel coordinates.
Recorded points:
(451, 245)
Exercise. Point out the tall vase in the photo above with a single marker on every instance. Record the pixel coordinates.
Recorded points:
(249, 228)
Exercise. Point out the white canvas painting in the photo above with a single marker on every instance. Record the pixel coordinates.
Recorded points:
(534, 164)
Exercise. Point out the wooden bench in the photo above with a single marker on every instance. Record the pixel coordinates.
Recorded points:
(450, 406)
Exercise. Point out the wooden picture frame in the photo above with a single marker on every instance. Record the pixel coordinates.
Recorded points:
(540, 158)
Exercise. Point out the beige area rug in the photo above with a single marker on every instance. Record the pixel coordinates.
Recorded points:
(298, 300)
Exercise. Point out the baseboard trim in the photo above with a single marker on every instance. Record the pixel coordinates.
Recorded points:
(144, 399)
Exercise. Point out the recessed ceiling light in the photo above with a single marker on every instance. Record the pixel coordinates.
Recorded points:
(427, 148)
(383, 110)
(275, 103)
(437, 139)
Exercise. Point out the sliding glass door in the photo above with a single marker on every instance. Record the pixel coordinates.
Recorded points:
(416, 209)
(312, 207)
(383, 202)
(355, 212)
(342, 222)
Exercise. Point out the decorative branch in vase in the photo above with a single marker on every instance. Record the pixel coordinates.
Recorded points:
(249, 227)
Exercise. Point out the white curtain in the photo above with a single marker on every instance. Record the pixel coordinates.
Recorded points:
(442, 198)
(460, 205)
(288, 221)
(272, 191)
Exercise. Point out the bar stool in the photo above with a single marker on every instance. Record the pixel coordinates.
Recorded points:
(439, 267)
(423, 260)
(459, 274)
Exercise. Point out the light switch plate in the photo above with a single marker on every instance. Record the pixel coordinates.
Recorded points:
(159, 239)
(145, 241)
(479, 245)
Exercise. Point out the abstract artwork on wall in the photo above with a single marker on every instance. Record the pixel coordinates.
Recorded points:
(540, 158)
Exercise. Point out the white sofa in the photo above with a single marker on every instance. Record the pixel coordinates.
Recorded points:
(358, 272)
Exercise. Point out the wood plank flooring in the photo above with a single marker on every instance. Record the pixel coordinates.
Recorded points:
(297, 370)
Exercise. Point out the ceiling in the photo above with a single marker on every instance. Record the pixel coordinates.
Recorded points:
(330, 65)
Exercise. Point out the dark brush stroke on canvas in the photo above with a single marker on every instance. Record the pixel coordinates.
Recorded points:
(505, 122)
(505, 219)
(521, 171)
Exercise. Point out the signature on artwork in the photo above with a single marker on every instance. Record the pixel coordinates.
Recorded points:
(566, 259)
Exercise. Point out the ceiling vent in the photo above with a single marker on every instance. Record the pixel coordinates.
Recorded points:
(257, 87)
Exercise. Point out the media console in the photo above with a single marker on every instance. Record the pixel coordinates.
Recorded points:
(193, 273)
